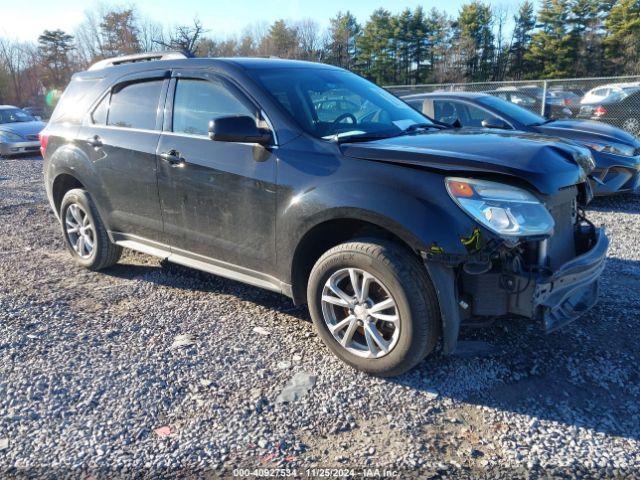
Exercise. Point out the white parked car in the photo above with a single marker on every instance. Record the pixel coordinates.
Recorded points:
(605, 93)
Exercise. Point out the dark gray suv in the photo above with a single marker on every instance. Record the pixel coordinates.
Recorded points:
(390, 227)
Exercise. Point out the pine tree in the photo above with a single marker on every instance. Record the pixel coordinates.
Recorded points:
(475, 40)
(375, 52)
(552, 51)
(622, 46)
(524, 23)
(343, 32)
(54, 49)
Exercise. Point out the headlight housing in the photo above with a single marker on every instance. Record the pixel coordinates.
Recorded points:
(510, 212)
(9, 137)
(615, 149)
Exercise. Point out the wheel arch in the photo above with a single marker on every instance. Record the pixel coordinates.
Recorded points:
(62, 183)
(329, 232)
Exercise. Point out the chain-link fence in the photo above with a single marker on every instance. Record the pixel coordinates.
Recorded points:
(613, 100)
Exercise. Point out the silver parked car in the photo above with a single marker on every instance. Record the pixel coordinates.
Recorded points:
(18, 131)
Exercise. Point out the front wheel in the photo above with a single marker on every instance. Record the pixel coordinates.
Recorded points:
(374, 306)
(84, 233)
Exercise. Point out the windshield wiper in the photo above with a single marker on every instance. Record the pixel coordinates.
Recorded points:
(359, 137)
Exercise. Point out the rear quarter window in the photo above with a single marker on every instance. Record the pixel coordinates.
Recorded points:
(73, 103)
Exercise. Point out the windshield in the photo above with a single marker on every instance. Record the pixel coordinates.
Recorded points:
(15, 115)
(515, 112)
(329, 103)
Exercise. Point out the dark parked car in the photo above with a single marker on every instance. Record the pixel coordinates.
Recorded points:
(18, 131)
(391, 230)
(617, 154)
(554, 107)
(622, 112)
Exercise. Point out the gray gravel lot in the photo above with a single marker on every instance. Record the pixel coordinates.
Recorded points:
(88, 373)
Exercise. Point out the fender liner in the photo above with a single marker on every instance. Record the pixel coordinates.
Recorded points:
(443, 279)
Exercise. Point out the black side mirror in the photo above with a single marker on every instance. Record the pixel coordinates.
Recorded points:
(494, 122)
(240, 129)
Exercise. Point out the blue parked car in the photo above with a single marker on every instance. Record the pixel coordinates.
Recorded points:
(616, 152)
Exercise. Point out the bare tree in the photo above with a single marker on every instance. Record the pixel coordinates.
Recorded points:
(310, 39)
(184, 38)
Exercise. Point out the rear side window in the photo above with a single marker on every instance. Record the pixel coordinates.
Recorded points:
(197, 102)
(72, 105)
(135, 105)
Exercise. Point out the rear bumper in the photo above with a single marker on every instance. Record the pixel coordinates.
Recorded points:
(573, 289)
(17, 148)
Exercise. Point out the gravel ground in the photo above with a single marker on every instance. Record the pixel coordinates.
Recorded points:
(92, 377)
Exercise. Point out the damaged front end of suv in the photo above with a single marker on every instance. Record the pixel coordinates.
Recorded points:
(537, 256)
(526, 247)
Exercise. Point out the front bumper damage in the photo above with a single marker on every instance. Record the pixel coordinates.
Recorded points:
(555, 298)
(572, 289)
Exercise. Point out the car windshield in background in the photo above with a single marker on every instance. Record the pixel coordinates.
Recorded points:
(329, 103)
(15, 115)
(519, 114)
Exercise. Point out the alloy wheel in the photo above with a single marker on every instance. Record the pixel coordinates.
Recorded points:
(360, 313)
(79, 230)
(632, 125)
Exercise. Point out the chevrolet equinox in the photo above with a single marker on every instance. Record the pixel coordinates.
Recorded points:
(308, 180)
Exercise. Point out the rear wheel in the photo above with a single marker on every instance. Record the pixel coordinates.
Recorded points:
(84, 233)
(374, 306)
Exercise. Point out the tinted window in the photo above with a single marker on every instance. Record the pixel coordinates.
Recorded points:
(476, 115)
(511, 110)
(198, 101)
(135, 105)
(99, 115)
(72, 106)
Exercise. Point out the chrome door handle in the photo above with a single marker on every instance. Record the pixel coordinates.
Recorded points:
(95, 141)
(173, 157)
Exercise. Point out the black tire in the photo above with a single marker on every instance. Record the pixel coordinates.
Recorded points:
(104, 253)
(405, 277)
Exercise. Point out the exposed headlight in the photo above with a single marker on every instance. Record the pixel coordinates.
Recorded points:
(510, 212)
(10, 137)
(617, 149)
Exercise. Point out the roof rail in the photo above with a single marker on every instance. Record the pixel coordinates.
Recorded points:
(137, 57)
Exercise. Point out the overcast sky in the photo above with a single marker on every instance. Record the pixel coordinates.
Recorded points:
(222, 18)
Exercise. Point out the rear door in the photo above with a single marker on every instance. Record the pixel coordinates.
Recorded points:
(121, 137)
(219, 201)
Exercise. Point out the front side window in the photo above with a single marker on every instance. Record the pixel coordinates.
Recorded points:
(197, 102)
(511, 110)
(135, 105)
(327, 102)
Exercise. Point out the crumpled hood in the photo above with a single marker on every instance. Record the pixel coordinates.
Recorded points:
(23, 128)
(546, 163)
(588, 130)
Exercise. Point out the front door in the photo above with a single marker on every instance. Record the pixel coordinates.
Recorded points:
(218, 199)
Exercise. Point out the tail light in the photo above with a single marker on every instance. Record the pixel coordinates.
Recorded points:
(600, 111)
(567, 102)
(44, 139)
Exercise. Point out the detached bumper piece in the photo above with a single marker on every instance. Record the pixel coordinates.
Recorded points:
(572, 289)
(616, 180)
